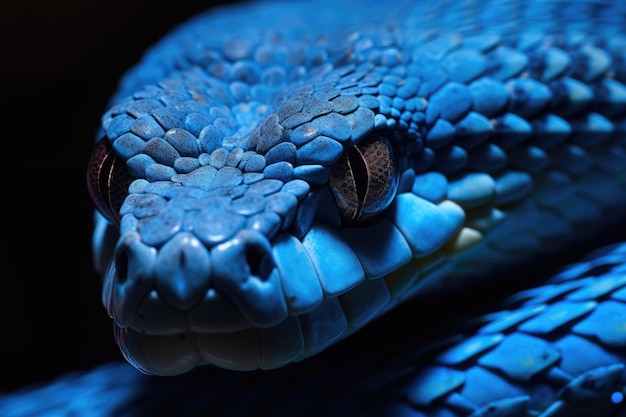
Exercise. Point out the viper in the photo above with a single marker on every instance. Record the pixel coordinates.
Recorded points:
(273, 178)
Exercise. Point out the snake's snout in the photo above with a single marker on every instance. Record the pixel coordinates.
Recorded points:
(184, 285)
(184, 303)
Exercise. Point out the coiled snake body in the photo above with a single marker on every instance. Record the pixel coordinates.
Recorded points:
(272, 177)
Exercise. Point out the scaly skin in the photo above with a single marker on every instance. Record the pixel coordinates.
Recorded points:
(499, 137)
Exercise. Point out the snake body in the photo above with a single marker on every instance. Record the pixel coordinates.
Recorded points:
(273, 177)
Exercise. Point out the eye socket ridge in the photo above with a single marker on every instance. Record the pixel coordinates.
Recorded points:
(107, 180)
(365, 179)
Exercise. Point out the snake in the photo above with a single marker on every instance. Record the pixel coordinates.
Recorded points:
(273, 178)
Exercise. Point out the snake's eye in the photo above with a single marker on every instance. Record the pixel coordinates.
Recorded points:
(107, 180)
(364, 180)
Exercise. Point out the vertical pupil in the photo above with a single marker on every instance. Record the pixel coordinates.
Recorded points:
(360, 174)
(364, 180)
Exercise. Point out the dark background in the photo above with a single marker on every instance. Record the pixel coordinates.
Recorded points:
(60, 62)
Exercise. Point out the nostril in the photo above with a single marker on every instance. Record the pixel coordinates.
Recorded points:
(131, 277)
(254, 258)
(245, 256)
(243, 269)
(259, 261)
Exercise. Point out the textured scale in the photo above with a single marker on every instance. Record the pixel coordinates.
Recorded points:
(507, 126)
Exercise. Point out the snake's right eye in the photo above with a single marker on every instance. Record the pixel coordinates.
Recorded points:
(107, 180)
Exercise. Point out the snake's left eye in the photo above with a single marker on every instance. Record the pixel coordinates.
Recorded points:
(364, 180)
(107, 180)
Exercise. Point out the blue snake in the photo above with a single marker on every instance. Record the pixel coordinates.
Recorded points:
(273, 177)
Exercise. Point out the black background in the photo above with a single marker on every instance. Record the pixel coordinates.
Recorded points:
(60, 62)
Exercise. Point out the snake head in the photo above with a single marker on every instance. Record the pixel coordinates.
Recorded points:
(259, 219)
(230, 237)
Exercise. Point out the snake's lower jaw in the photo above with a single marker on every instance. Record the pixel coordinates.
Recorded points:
(246, 350)
(152, 355)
